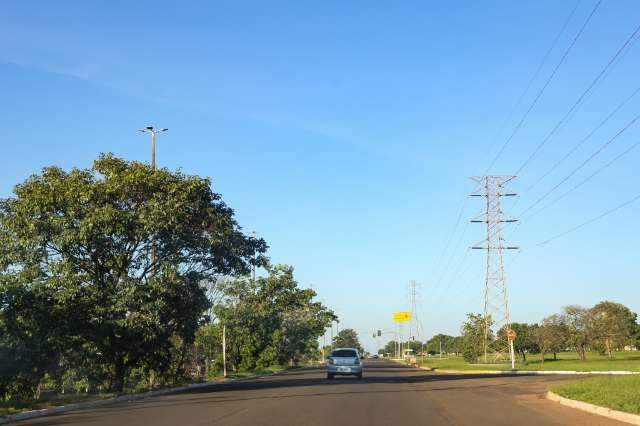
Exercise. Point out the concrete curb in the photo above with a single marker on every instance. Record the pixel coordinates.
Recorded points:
(621, 416)
(125, 398)
(533, 372)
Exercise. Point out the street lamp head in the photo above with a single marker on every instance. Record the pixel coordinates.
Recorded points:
(164, 130)
(149, 127)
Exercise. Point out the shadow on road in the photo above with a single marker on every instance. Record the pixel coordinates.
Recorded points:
(375, 373)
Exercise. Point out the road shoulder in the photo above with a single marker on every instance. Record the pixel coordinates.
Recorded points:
(33, 414)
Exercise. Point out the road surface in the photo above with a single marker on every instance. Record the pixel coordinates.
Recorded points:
(389, 394)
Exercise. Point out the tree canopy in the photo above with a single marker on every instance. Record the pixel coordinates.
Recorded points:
(347, 338)
(272, 320)
(77, 280)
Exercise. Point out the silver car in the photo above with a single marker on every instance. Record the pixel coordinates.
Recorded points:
(344, 362)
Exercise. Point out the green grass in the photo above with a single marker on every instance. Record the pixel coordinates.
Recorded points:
(618, 393)
(269, 370)
(17, 406)
(567, 361)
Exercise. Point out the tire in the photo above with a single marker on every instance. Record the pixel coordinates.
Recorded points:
(359, 375)
(329, 376)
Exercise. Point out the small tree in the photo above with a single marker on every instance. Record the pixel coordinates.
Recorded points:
(524, 341)
(389, 348)
(551, 335)
(473, 334)
(439, 341)
(579, 330)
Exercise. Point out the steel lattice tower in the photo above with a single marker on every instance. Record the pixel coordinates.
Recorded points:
(496, 301)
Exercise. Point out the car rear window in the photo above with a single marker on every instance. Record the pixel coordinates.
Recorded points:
(344, 353)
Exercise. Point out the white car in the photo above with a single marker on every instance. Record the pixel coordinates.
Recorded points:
(344, 362)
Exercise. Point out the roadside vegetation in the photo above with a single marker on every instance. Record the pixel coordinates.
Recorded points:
(566, 361)
(617, 393)
(120, 278)
(603, 337)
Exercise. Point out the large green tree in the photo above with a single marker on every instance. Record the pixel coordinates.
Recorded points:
(612, 326)
(77, 244)
(271, 320)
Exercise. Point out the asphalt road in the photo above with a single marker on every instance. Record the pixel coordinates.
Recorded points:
(389, 394)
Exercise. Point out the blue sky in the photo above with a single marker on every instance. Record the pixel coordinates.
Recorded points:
(344, 134)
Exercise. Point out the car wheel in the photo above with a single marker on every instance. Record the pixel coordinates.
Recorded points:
(329, 376)
(359, 376)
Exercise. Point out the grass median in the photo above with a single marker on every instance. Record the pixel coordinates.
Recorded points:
(617, 393)
(566, 361)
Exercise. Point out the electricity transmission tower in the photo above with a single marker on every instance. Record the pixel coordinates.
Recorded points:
(496, 302)
(414, 324)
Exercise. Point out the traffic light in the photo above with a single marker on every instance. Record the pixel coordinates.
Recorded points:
(379, 333)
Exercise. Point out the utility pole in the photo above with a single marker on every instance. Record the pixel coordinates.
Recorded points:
(399, 340)
(324, 343)
(496, 302)
(331, 334)
(253, 268)
(413, 288)
(153, 131)
(224, 350)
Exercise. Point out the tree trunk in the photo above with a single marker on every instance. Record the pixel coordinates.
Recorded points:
(37, 391)
(583, 355)
(524, 356)
(607, 343)
(555, 356)
(119, 373)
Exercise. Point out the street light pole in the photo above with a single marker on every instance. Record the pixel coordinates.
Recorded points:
(153, 131)
(224, 350)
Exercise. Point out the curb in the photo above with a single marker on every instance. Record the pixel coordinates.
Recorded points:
(10, 418)
(633, 419)
(533, 372)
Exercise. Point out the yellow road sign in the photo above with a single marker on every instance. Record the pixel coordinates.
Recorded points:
(511, 334)
(401, 316)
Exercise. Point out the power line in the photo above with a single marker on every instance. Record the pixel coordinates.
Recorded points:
(585, 139)
(544, 87)
(458, 271)
(590, 221)
(534, 77)
(588, 178)
(578, 101)
(453, 255)
(451, 235)
(582, 165)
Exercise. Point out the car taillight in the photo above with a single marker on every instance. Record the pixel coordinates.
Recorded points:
(356, 362)
(329, 360)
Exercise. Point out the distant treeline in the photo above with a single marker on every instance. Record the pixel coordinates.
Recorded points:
(606, 327)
